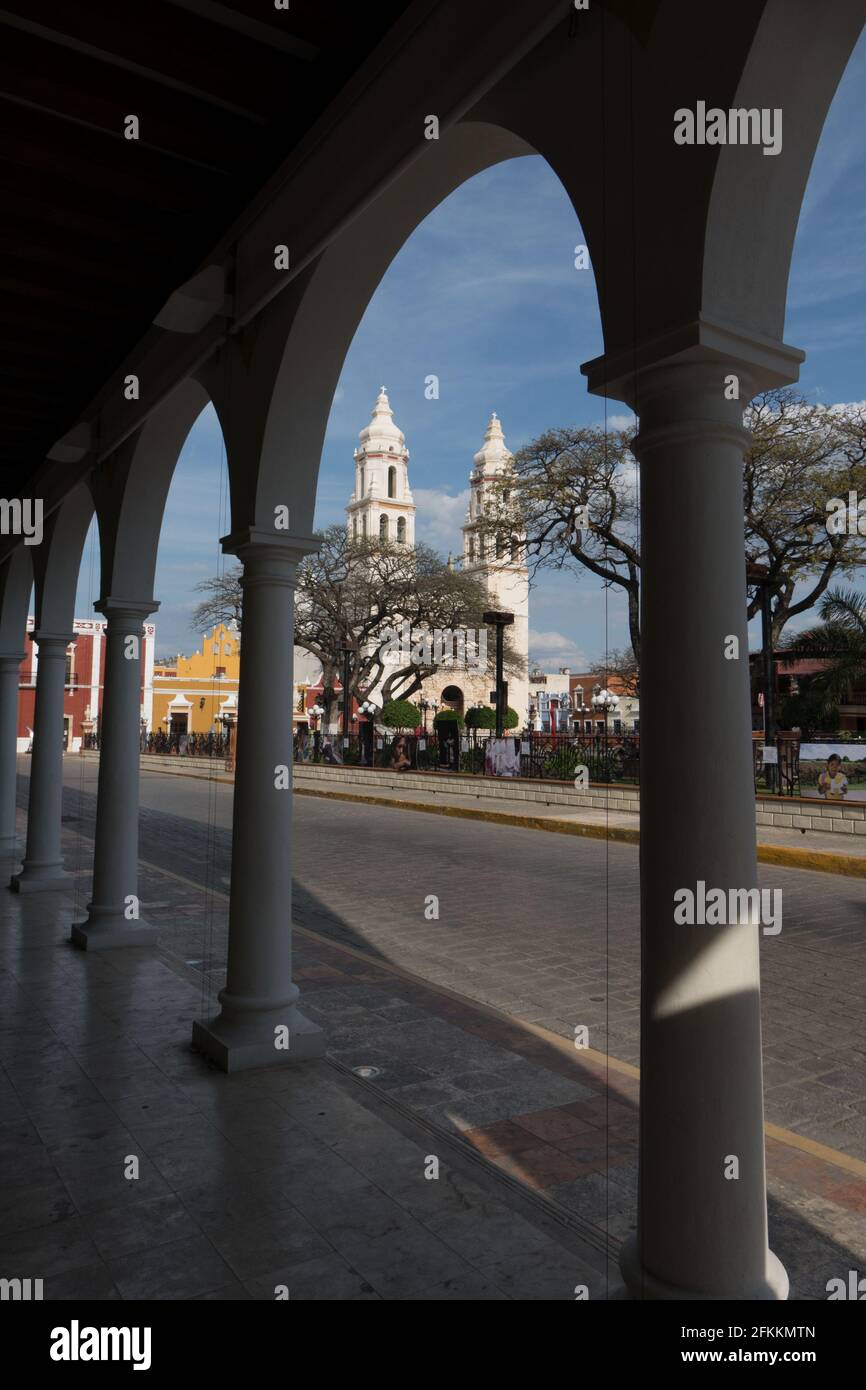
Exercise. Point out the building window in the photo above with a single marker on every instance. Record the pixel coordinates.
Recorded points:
(220, 671)
(617, 726)
(354, 528)
(361, 483)
(515, 550)
(472, 547)
(70, 666)
(383, 528)
(364, 525)
(578, 696)
(401, 530)
(392, 481)
(500, 548)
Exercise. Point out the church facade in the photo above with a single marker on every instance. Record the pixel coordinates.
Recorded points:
(382, 508)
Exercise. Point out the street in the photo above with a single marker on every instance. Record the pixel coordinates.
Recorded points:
(542, 926)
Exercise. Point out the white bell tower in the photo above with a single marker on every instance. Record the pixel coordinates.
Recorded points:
(498, 562)
(381, 506)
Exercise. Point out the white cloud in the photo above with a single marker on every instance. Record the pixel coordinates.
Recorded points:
(553, 649)
(440, 517)
(621, 422)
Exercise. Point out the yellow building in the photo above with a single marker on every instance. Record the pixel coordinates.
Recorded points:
(194, 694)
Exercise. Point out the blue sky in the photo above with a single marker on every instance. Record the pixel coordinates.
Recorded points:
(485, 295)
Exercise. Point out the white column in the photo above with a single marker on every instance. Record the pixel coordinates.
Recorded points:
(113, 917)
(43, 863)
(259, 1003)
(10, 666)
(701, 1234)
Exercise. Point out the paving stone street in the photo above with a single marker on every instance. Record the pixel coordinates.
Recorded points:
(543, 927)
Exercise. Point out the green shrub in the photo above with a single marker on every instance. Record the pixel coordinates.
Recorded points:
(484, 717)
(401, 714)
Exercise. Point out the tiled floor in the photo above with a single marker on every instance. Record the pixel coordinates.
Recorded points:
(129, 1169)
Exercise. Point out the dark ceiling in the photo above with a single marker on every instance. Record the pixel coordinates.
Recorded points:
(96, 230)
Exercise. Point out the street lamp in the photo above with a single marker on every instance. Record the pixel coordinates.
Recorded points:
(367, 739)
(500, 620)
(605, 701)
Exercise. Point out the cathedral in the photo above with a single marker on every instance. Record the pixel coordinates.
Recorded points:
(382, 507)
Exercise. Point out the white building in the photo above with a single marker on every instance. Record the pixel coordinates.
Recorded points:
(382, 507)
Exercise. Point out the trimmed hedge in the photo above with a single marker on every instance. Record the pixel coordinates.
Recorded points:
(401, 714)
(484, 717)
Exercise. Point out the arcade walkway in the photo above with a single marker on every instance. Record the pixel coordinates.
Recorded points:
(311, 1177)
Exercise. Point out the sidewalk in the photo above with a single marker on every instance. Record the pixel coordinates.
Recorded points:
(311, 1176)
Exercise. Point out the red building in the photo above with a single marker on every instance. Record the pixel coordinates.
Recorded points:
(85, 675)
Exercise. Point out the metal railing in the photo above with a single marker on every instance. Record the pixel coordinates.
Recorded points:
(209, 745)
(560, 757)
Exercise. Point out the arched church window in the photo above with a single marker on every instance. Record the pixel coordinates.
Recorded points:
(401, 530)
(472, 547)
(383, 527)
(364, 527)
(392, 481)
(515, 550)
(354, 528)
(361, 483)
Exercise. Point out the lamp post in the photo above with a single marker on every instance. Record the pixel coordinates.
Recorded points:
(500, 620)
(369, 709)
(605, 701)
(316, 713)
(348, 649)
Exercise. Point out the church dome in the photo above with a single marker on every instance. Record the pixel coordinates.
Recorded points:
(494, 456)
(382, 436)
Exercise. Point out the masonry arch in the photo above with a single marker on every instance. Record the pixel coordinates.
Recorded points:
(131, 489)
(333, 300)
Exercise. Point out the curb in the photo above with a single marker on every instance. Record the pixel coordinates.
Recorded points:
(785, 856)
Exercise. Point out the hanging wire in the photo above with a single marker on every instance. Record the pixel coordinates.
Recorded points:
(78, 905)
(211, 855)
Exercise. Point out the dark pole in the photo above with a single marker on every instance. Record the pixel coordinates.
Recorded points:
(347, 676)
(769, 673)
(500, 620)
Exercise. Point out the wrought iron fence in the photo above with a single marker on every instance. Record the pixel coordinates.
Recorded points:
(209, 745)
(560, 757)
(777, 767)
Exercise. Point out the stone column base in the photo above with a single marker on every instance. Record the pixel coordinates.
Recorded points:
(111, 934)
(643, 1285)
(41, 879)
(241, 1044)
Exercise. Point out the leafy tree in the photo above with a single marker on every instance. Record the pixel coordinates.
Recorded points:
(361, 593)
(400, 714)
(839, 642)
(573, 495)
